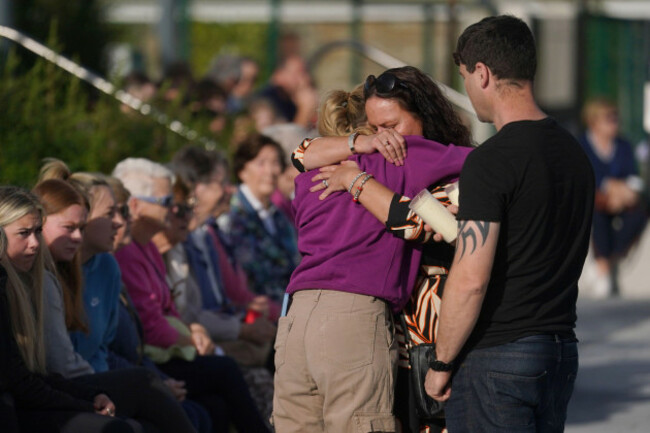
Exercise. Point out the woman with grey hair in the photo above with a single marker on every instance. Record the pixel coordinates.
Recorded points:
(137, 392)
(182, 350)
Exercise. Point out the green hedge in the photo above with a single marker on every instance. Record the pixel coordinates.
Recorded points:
(49, 113)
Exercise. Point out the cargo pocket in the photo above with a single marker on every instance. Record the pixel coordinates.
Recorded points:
(284, 326)
(349, 341)
(374, 422)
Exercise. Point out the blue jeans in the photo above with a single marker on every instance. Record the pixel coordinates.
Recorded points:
(519, 387)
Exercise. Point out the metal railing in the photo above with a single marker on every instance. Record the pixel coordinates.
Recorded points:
(105, 86)
(387, 61)
(374, 54)
(480, 131)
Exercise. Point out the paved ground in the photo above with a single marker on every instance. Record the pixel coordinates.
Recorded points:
(612, 392)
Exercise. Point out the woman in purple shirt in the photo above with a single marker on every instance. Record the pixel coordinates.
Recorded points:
(335, 351)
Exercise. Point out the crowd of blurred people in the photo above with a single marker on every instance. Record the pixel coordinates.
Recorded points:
(149, 286)
(228, 101)
(147, 299)
(159, 284)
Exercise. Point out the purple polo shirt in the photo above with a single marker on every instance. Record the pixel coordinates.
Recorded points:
(347, 249)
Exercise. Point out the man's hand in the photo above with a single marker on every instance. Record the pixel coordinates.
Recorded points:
(103, 405)
(437, 385)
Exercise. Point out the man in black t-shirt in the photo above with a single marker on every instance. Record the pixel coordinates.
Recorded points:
(526, 198)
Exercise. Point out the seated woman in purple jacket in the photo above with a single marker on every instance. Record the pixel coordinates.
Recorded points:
(335, 351)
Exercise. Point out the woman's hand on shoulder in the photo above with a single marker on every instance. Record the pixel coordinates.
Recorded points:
(388, 142)
(334, 178)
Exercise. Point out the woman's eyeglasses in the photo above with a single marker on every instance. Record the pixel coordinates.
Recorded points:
(165, 201)
(123, 210)
(383, 84)
(180, 210)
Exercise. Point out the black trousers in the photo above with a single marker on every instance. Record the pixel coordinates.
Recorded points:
(140, 394)
(55, 421)
(218, 384)
(52, 421)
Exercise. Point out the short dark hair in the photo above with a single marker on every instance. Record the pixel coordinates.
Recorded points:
(250, 147)
(194, 164)
(503, 43)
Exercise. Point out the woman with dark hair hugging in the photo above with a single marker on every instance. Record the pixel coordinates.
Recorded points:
(336, 350)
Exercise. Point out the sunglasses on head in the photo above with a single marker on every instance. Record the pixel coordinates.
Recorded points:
(165, 201)
(383, 84)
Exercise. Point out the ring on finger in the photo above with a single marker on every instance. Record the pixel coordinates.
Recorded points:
(327, 185)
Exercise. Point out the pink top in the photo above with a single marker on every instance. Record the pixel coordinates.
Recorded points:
(143, 274)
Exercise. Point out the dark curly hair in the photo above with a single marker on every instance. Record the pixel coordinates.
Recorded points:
(418, 94)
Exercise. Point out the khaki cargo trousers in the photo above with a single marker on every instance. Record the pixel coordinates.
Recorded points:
(335, 361)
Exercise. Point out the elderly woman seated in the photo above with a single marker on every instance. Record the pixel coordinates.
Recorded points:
(262, 238)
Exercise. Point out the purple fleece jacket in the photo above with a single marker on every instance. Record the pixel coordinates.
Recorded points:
(345, 248)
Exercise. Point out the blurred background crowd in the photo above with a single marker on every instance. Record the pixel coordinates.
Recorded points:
(246, 78)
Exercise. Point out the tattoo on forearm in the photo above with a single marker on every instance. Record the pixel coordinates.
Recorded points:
(467, 232)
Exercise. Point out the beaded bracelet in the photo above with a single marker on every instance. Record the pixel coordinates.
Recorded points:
(360, 188)
(354, 181)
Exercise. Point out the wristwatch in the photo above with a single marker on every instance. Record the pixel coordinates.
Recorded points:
(436, 365)
(351, 139)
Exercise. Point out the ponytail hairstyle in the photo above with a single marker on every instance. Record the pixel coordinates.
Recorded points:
(24, 289)
(83, 182)
(343, 113)
(56, 196)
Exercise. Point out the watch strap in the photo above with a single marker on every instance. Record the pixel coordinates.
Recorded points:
(437, 365)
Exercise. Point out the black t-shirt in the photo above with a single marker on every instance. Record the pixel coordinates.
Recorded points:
(535, 180)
